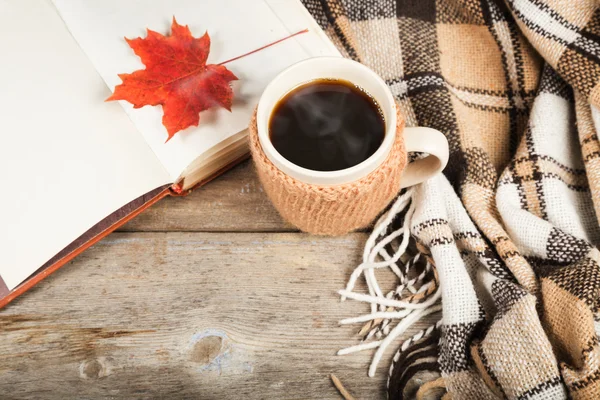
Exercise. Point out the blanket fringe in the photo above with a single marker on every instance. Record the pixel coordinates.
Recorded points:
(416, 295)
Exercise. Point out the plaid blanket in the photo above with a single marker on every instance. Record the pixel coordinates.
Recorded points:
(511, 228)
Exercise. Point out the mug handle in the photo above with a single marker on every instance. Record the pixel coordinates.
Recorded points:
(425, 140)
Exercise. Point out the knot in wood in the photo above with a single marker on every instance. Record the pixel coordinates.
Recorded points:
(206, 349)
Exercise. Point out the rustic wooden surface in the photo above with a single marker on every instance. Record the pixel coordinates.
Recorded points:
(211, 296)
(234, 202)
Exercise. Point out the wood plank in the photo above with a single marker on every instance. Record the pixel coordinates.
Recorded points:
(190, 315)
(234, 202)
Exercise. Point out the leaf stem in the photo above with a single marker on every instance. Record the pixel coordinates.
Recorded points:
(264, 47)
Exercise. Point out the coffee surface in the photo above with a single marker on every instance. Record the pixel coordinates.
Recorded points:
(327, 125)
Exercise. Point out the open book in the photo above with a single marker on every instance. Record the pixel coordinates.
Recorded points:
(73, 167)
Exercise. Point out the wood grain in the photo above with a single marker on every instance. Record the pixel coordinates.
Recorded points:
(235, 202)
(193, 316)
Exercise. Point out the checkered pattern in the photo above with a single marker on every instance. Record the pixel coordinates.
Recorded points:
(512, 225)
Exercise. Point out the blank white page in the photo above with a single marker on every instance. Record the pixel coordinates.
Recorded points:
(235, 27)
(67, 158)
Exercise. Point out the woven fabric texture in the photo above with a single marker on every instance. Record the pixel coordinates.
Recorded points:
(512, 225)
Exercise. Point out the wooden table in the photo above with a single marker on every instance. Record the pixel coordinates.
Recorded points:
(211, 296)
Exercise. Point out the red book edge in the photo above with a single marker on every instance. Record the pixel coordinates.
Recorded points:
(99, 231)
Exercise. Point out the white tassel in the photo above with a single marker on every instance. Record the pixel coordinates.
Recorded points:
(372, 285)
(397, 331)
(369, 263)
(359, 347)
(385, 309)
(377, 315)
(406, 344)
(389, 302)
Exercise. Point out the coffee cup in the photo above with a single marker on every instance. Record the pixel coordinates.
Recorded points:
(347, 199)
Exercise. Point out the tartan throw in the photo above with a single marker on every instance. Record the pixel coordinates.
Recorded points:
(511, 227)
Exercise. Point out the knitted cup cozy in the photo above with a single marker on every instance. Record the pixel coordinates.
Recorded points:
(331, 209)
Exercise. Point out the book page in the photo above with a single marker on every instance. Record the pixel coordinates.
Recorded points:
(67, 158)
(295, 17)
(235, 26)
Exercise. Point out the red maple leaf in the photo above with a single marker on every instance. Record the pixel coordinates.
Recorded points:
(176, 77)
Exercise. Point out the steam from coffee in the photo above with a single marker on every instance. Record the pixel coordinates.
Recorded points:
(327, 125)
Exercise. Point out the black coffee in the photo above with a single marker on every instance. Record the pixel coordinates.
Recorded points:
(327, 125)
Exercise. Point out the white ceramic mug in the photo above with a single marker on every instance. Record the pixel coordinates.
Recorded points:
(424, 140)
